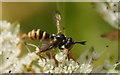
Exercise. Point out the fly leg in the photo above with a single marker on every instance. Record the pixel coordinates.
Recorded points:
(49, 48)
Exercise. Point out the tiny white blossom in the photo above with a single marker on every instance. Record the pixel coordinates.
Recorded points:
(41, 62)
(86, 68)
(60, 57)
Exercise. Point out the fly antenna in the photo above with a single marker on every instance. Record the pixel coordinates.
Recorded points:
(83, 42)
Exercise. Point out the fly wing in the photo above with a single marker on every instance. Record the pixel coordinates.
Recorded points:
(44, 44)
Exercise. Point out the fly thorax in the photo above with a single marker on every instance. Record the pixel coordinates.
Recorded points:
(60, 37)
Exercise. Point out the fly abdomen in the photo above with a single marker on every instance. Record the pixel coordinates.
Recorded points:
(38, 34)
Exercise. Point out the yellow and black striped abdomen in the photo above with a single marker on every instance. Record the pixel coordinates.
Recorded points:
(38, 34)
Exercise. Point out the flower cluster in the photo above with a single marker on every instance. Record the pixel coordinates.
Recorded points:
(109, 11)
(10, 50)
(59, 62)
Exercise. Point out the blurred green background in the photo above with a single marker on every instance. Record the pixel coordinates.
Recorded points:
(80, 20)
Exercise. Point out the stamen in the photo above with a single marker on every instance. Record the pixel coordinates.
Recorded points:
(30, 45)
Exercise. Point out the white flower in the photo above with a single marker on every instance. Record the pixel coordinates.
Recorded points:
(8, 46)
(109, 12)
(10, 50)
(86, 68)
(60, 57)
(41, 62)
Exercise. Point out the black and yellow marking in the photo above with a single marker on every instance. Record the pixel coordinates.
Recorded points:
(38, 34)
(44, 34)
(41, 34)
(33, 34)
(47, 36)
(30, 35)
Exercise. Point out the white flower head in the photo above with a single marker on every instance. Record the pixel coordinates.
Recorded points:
(109, 12)
(9, 40)
(10, 50)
